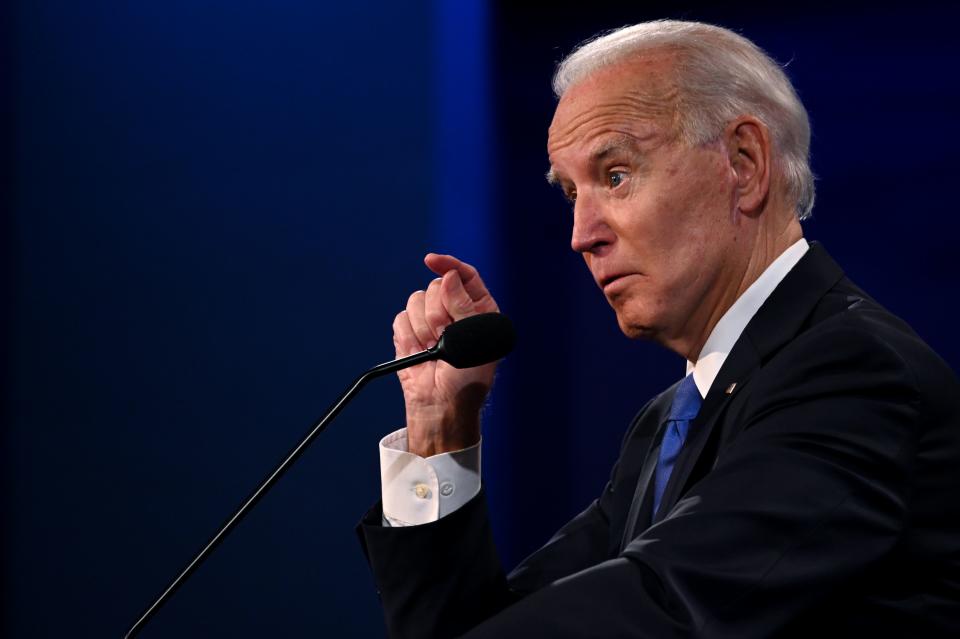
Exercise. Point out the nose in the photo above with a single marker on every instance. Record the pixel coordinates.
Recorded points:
(590, 230)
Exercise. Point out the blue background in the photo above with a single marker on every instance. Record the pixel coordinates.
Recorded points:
(214, 209)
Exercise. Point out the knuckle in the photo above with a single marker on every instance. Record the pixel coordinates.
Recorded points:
(458, 300)
(415, 298)
(463, 304)
(436, 316)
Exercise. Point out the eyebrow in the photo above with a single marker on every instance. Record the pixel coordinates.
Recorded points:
(607, 148)
(613, 145)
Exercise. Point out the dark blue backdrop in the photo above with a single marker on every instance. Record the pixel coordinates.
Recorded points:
(217, 208)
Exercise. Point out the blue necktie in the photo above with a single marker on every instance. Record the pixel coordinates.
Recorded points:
(685, 406)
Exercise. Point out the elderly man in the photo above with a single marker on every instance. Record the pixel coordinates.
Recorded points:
(802, 478)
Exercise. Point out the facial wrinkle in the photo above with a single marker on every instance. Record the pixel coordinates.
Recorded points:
(654, 105)
(619, 115)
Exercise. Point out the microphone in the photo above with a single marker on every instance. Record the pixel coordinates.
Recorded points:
(476, 340)
(472, 341)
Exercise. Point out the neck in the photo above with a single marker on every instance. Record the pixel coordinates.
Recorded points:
(770, 241)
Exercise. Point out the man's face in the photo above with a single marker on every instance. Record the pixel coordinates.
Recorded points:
(653, 217)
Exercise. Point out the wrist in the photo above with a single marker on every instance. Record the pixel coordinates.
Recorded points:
(433, 432)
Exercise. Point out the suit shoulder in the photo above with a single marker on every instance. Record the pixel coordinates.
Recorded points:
(851, 333)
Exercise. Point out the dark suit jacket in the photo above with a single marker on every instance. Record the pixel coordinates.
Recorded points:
(818, 493)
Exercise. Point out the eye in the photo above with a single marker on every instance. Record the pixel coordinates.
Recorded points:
(615, 178)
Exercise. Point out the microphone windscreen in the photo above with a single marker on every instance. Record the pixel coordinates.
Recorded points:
(477, 340)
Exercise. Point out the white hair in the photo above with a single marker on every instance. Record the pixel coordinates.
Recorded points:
(720, 76)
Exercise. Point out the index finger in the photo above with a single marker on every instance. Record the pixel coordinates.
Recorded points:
(469, 276)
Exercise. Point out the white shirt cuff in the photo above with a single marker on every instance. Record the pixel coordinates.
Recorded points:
(419, 490)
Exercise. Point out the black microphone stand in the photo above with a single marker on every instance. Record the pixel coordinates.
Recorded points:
(251, 501)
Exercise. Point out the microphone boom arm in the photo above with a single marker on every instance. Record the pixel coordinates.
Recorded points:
(278, 472)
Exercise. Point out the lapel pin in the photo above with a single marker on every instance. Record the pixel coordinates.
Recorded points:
(730, 388)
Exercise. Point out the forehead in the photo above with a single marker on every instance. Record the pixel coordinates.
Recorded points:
(631, 98)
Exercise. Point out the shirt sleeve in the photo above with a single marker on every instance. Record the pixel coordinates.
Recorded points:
(418, 490)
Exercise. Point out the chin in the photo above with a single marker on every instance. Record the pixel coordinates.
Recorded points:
(636, 315)
(640, 316)
(634, 328)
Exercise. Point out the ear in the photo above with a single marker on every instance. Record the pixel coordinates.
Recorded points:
(748, 146)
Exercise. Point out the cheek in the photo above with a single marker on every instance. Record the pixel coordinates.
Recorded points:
(687, 226)
(670, 230)
(672, 222)
(704, 193)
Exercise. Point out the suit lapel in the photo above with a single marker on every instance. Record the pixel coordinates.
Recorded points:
(779, 319)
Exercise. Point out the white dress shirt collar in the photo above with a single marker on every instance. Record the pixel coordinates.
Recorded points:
(728, 330)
